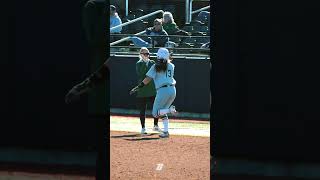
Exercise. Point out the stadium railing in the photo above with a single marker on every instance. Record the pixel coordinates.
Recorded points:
(138, 19)
(189, 11)
(190, 47)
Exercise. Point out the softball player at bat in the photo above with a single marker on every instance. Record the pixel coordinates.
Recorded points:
(162, 74)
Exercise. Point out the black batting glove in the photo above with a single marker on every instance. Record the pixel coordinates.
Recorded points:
(135, 89)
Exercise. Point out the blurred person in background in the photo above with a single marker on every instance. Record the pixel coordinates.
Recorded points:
(115, 20)
(204, 17)
(168, 23)
(171, 27)
(157, 29)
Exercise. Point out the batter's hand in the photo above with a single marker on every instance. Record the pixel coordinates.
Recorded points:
(76, 91)
(92, 81)
(133, 90)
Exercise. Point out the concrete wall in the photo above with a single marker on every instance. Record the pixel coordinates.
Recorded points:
(192, 76)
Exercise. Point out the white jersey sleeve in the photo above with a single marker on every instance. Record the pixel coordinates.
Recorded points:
(152, 72)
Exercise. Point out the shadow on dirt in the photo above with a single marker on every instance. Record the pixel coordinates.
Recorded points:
(142, 139)
(133, 135)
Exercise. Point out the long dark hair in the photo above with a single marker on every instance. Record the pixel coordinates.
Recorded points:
(161, 65)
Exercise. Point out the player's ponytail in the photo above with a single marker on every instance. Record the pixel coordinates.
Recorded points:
(161, 65)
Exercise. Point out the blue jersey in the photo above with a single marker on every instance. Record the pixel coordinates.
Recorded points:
(162, 78)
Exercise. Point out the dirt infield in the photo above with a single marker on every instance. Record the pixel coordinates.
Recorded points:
(147, 157)
(185, 155)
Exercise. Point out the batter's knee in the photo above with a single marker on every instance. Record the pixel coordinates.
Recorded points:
(155, 113)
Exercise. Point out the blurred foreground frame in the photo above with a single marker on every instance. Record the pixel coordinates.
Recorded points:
(265, 112)
(43, 134)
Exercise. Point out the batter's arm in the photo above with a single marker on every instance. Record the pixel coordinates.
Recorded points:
(92, 81)
(146, 80)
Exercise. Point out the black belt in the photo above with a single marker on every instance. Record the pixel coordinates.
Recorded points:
(166, 86)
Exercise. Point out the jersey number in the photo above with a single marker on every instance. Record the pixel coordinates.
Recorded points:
(168, 73)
